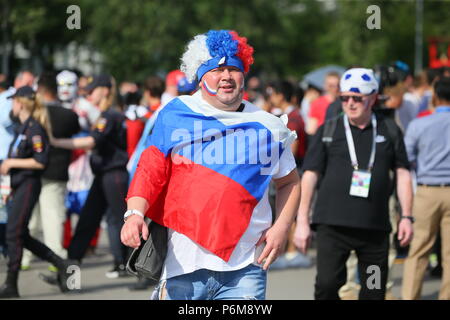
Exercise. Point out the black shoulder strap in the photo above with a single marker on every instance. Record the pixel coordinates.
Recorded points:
(328, 130)
(392, 130)
(330, 127)
(241, 107)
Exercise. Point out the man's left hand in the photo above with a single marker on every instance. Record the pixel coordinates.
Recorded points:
(405, 232)
(275, 238)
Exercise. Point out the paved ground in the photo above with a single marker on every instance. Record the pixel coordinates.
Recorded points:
(293, 284)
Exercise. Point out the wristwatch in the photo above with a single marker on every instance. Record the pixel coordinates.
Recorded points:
(131, 212)
(410, 218)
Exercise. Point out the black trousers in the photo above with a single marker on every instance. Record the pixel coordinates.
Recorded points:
(24, 198)
(334, 245)
(107, 195)
(3, 245)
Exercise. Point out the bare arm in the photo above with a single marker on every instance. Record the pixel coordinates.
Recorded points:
(135, 225)
(311, 126)
(309, 183)
(294, 146)
(13, 163)
(85, 143)
(287, 198)
(137, 203)
(302, 233)
(405, 196)
(404, 191)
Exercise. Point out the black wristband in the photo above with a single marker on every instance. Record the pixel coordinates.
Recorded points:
(410, 218)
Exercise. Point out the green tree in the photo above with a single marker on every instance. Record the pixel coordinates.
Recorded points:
(136, 38)
(40, 26)
(143, 38)
(291, 37)
(350, 42)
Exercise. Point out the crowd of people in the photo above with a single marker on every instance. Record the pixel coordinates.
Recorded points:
(363, 161)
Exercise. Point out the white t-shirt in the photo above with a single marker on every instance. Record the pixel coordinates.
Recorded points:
(185, 256)
(166, 98)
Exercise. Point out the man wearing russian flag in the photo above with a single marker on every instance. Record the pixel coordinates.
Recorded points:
(205, 176)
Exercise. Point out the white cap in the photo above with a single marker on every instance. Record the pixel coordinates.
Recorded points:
(359, 80)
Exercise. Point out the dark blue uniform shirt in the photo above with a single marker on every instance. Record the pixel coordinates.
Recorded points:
(110, 137)
(30, 141)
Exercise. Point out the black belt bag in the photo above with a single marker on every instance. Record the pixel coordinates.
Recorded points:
(147, 260)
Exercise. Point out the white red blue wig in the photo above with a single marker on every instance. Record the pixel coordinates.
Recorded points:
(216, 48)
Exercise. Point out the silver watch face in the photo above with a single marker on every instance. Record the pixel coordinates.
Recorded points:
(128, 213)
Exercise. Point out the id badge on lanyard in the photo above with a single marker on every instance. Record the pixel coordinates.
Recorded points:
(360, 184)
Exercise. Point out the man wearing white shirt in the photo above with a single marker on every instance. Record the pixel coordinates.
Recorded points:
(198, 265)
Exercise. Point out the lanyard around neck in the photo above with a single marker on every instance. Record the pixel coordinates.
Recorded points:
(351, 144)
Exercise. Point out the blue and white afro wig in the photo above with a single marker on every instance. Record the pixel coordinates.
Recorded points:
(359, 80)
(215, 49)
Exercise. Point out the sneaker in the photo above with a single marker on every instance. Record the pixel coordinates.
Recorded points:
(60, 277)
(390, 296)
(118, 271)
(52, 268)
(349, 295)
(25, 267)
(8, 291)
(299, 261)
(279, 264)
(51, 279)
(63, 276)
(350, 291)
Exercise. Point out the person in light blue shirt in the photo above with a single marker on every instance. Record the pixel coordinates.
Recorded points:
(6, 137)
(427, 143)
(23, 78)
(6, 125)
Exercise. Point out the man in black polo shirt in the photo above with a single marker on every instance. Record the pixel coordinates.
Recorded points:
(351, 212)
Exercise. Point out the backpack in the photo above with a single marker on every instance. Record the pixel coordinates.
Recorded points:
(330, 127)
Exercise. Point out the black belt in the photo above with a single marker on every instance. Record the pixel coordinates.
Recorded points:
(442, 185)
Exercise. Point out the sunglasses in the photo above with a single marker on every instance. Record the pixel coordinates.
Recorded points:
(355, 98)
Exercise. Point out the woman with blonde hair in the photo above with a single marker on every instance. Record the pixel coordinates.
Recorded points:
(27, 157)
(107, 141)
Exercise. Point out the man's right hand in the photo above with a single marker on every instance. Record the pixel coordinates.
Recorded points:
(302, 236)
(131, 231)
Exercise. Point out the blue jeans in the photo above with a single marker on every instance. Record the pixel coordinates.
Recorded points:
(248, 283)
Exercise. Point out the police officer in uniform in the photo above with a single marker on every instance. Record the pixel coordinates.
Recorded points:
(27, 157)
(109, 158)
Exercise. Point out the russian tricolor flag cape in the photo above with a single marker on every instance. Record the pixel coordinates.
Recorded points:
(205, 169)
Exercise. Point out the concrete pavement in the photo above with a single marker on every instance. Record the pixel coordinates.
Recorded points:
(292, 284)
